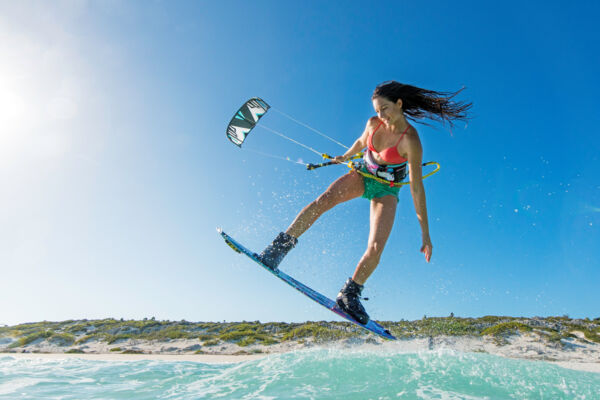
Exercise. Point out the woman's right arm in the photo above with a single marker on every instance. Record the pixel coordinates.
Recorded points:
(359, 144)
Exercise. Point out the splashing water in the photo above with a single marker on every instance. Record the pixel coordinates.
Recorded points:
(314, 374)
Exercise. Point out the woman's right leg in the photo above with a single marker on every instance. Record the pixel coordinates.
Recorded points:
(345, 188)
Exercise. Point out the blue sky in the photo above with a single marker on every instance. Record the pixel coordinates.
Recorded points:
(115, 170)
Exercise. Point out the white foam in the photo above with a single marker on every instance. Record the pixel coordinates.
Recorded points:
(14, 385)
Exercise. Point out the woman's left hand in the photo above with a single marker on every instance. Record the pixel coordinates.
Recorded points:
(427, 248)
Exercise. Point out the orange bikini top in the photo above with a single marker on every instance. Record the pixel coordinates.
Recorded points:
(389, 155)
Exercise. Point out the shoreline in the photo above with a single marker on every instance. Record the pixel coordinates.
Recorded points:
(593, 367)
(578, 366)
(201, 358)
(568, 343)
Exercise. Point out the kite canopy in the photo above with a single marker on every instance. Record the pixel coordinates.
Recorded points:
(245, 119)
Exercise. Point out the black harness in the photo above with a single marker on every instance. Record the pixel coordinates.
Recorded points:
(392, 173)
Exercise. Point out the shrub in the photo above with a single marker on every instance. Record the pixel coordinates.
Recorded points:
(62, 339)
(247, 341)
(24, 341)
(506, 328)
(110, 339)
(75, 351)
(132, 352)
(93, 336)
(591, 335)
(317, 332)
(235, 335)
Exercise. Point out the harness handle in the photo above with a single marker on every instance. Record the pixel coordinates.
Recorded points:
(315, 166)
(354, 167)
(326, 156)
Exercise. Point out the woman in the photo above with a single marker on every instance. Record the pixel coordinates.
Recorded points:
(392, 143)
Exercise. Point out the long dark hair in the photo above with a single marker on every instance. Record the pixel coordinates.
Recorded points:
(420, 103)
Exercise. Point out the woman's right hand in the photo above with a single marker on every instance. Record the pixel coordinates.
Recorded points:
(339, 159)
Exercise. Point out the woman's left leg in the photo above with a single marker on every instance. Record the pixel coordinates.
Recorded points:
(383, 212)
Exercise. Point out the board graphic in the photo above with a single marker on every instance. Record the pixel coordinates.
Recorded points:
(371, 326)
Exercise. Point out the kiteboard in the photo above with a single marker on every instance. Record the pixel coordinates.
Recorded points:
(371, 326)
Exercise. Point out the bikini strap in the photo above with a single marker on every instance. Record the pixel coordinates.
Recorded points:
(402, 135)
(370, 138)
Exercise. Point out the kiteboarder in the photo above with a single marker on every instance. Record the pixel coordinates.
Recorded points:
(391, 144)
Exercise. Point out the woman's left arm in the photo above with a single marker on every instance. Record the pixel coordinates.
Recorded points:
(415, 160)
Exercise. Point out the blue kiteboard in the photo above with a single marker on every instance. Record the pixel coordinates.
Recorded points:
(371, 326)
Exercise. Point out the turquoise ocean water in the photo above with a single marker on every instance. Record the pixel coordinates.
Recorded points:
(313, 374)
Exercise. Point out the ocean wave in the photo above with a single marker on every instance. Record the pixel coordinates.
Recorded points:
(331, 373)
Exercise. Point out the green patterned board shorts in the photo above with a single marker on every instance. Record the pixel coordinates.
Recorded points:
(374, 189)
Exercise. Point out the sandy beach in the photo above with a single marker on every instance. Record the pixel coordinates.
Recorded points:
(573, 344)
(573, 353)
(220, 359)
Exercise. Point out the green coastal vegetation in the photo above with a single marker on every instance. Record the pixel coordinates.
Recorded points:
(73, 335)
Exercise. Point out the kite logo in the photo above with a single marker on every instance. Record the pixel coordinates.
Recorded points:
(237, 134)
(256, 109)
